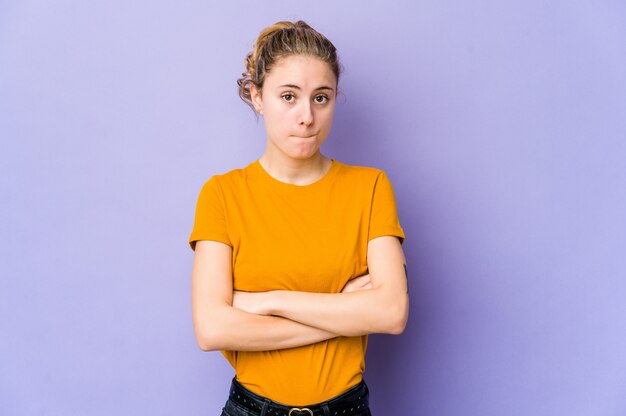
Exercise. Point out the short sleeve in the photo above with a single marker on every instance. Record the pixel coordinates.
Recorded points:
(210, 220)
(384, 217)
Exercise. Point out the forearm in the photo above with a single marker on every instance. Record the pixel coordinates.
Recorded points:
(348, 314)
(228, 328)
(382, 307)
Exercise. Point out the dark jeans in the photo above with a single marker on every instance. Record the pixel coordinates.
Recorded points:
(243, 402)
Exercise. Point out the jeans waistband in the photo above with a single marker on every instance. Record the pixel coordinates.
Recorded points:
(352, 401)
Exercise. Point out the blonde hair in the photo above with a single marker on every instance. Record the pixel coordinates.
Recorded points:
(280, 40)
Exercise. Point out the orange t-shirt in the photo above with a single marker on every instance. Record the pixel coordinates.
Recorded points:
(310, 238)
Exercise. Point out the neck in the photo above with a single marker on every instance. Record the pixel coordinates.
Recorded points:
(295, 171)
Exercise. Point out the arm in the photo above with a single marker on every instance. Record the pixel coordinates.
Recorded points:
(220, 326)
(381, 309)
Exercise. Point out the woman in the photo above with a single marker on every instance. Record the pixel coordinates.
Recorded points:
(297, 256)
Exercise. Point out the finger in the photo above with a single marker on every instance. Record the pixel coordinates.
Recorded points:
(358, 281)
(363, 287)
(364, 282)
(349, 287)
(361, 278)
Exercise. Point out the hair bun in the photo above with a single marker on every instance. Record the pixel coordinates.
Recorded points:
(280, 40)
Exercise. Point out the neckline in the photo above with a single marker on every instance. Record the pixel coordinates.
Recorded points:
(284, 185)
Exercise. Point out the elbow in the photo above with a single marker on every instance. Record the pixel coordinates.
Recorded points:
(210, 337)
(397, 328)
(207, 342)
(213, 329)
(203, 345)
(397, 317)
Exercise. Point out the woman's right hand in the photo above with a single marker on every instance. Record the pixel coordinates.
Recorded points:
(358, 283)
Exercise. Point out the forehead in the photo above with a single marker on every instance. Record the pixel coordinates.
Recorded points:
(300, 70)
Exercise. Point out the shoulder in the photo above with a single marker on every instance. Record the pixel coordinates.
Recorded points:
(228, 179)
(359, 173)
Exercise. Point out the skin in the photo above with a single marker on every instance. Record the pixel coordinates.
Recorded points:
(298, 119)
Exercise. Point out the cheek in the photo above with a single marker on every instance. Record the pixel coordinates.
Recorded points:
(280, 117)
(275, 121)
(327, 118)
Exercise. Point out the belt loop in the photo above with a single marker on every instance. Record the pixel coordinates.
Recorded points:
(264, 408)
(326, 409)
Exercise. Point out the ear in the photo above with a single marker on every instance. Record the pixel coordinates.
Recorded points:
(257, 100)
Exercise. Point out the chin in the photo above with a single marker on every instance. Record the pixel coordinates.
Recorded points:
(302, 154)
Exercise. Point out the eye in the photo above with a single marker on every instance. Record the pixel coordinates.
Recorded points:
(324, 99)
(287, 97)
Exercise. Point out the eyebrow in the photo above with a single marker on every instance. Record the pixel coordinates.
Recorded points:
(323, 87)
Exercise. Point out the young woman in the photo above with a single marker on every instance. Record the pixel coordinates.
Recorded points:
(298, 256)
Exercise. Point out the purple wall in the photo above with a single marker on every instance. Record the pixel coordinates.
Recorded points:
(501, 126)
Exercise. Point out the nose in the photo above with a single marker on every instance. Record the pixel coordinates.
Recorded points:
(306, 114)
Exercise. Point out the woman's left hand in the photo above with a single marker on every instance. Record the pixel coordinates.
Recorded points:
(252, 302)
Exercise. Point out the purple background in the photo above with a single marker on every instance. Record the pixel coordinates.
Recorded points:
(502, 126)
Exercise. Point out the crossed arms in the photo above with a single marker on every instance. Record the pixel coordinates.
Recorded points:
(224, 319)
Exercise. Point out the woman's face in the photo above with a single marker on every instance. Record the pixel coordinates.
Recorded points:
(297, 103)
